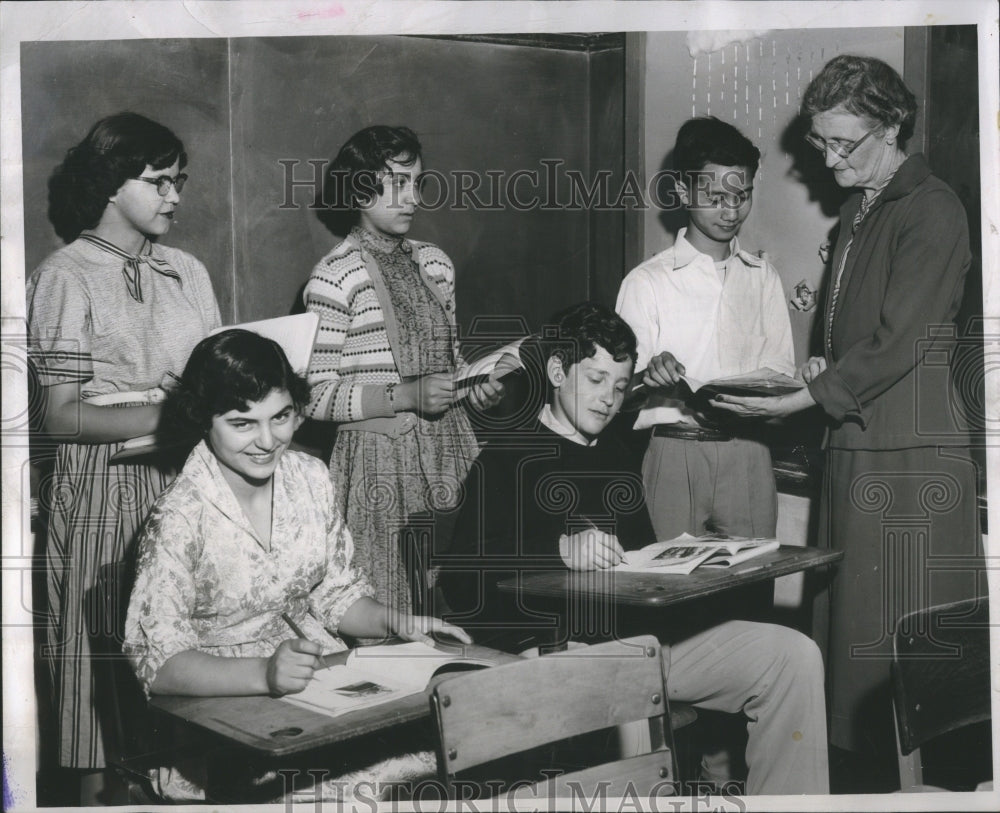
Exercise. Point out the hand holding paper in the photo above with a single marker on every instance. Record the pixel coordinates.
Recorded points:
(480, 380)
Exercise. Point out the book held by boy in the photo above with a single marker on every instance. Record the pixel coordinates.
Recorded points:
(378, 674)
(763, 382)
(685, 553)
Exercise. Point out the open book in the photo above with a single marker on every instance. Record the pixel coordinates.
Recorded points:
(494, 365)
(685, 553)
(763, 382)
(699, 394)
(378, 674)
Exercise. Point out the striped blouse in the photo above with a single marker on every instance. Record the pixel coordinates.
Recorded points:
(353, 359)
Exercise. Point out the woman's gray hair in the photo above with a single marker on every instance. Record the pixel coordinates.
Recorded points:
(866, 87)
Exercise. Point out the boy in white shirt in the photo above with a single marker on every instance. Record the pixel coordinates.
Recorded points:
(707, 309)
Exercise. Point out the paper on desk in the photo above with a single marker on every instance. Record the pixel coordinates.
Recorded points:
(339, 689)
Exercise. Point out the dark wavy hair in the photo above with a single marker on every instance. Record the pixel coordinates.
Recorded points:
(117, 148)
(866, 87)
(352, 178)
(580, 329)
(707, 140)
(231, 370)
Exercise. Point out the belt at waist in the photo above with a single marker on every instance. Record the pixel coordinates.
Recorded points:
(684, 431)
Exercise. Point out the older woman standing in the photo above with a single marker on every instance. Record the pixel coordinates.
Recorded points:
(900, 485)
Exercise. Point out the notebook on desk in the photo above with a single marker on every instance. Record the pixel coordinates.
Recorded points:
(378, 674)
(686, 553)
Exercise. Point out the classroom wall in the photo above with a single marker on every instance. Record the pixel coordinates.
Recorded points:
(67, 86)
(244, 105)
(757, 85)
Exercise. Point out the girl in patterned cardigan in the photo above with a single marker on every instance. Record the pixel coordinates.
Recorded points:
(382, 367)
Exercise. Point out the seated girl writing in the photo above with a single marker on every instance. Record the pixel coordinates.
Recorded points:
(248, 531)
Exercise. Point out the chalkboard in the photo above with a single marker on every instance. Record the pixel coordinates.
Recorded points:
(255, 112)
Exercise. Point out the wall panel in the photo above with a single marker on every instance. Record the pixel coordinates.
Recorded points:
(68, 86)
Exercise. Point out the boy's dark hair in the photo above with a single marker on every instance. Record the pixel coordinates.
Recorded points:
(707, 140)
(581, 329)
(231, 370)
(352, 178)
(116, 149)
(866, 87)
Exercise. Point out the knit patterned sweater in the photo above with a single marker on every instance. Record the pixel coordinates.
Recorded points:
(354, 357)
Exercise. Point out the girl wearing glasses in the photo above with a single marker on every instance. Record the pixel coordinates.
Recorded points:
(899, 484)
(112, 317)
(383, 362)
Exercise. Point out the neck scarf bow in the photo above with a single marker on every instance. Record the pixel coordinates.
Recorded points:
(132, 269)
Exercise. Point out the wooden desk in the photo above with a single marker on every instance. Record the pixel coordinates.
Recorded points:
(664, 589)
(273, 728)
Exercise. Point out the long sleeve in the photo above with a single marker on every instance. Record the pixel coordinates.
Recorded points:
(158, 625)
(342, 584)
(496, 529)
(778, 352)
(637, 305)
(927, 267)
(341, 294)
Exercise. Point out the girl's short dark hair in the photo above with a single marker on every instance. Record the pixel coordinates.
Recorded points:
(866, 87)
(707, 140)
(116, 149)
(352, 178)
(231, 370)
(582, 328)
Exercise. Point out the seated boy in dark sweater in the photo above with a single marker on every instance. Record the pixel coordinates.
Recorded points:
(558, 495)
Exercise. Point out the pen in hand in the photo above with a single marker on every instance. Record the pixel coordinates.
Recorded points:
(617, 557)
(293, 663)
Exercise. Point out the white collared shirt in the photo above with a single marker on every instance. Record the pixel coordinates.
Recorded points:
(675, 301)
(548, 419)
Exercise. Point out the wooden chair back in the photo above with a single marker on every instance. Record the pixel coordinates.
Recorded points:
(134, 741)
(486, 715)
(940, 676)
(125, 717)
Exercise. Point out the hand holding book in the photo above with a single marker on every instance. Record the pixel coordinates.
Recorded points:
(481, 380)
(760, 384)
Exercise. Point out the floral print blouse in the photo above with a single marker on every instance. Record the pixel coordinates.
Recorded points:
(205, 581)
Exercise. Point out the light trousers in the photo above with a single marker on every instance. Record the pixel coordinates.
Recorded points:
(773, 675)
(695, 486)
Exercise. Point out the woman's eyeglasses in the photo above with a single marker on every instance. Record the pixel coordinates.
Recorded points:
(838, 147)
(164, 182)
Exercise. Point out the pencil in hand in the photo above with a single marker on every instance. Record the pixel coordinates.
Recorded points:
(294, 627)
